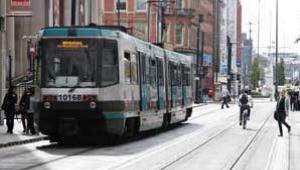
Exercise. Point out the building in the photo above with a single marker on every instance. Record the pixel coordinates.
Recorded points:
(247, 60)
(21, 21)
(174, 23)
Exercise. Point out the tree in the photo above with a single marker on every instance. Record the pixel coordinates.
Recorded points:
(281, 72)
(255, 73)
(262, 73)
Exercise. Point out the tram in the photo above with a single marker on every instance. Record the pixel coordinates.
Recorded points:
(96, 79)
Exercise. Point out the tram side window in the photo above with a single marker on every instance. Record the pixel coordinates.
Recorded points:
(186, 76)
(127, 68)
(148, 70)
(145, 68)
(109, 73)
(133, 68)
(160, 73)
(130, 68)
(173, 71)
(179, 75)
(153, 71)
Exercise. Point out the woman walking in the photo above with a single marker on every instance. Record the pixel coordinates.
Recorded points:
(282, 110)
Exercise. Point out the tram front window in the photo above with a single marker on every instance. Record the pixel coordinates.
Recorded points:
(71, 69)
(79, 63)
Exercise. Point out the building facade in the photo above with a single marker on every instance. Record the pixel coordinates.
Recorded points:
(21, 22)
(247, 60)
(174, 23)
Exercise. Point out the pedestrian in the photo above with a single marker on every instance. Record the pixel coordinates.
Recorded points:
(292, 100)
(282, 110)
(24, 106)
(30, 112)
(205, 95)
(225, 97)
(9, 107)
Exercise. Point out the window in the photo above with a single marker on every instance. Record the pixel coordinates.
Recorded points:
(122, 5)
(179, 4)
(127, 68)
(179, 34)
(153, 71)
(109, 73)
(186, 80)
(174, 74)
(167, 34)
(160, 72)
(141, 5)
(140, 27)
(134, 71)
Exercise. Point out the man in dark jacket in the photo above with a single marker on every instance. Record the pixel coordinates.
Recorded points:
(9, 107)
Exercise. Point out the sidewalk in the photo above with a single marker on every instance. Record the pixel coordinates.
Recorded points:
(18, 137)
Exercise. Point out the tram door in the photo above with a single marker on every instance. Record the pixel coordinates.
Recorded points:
(148, 82)
(160, 85)
(143, 81)
(153, 105)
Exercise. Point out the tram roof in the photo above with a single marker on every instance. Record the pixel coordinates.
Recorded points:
(107, 31)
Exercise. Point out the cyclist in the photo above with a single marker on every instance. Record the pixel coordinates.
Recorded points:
(245, 102)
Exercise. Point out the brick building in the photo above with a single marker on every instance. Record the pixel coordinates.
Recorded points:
(181, 23)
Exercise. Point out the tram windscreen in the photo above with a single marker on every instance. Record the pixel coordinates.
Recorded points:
(76, 64)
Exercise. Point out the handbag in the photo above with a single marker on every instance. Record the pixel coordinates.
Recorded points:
(276, 115)
(228, 99)
(3, 107)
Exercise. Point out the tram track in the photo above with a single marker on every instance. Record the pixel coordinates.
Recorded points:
(129, 162)
(79, 152)
(166, 166)
(255, 137)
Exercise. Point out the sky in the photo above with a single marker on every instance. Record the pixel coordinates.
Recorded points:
(289, 24)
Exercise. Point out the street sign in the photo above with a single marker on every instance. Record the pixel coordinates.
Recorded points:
(20, 7)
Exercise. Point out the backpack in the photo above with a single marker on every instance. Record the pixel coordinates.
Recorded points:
(244, 99)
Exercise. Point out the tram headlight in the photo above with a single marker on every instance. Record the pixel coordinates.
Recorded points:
(93, 105)
(47, 105)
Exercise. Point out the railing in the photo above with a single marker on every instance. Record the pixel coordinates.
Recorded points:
(179, 11)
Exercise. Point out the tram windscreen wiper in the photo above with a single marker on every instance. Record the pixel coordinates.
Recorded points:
(72, 89)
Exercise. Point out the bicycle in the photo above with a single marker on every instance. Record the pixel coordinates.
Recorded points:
(244, 118)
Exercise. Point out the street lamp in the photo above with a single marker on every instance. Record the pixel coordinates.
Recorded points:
(258, 28)
(276, 54)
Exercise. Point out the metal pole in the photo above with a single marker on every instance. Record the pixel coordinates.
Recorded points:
(148, 15)
(229, 46)
(10, 69)
(197, 95)
(201, 65)
(119, 13)
(276, 53)
(162, 22)
(33, 70)
(198, 82)
(258, 28)
(91, 12)
(158, 22)
(73, 13)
